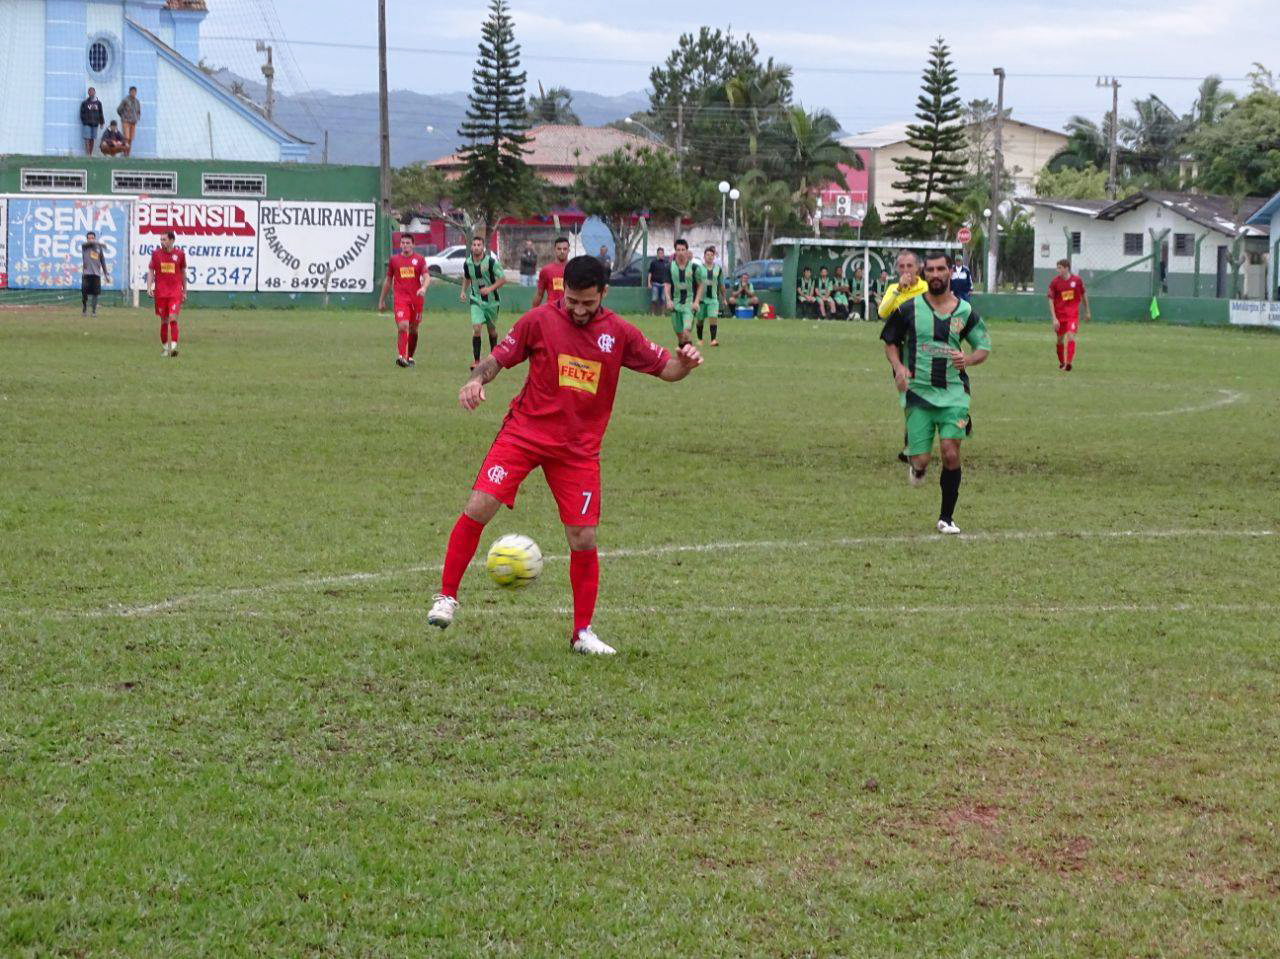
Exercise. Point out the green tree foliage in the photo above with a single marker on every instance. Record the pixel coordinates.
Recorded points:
(764, 207)
(628, 183)
(758, 96)
(1085, 183)
(804, 150)
(872, 226)
(420, 188)
(496, 180)
(932, 174)
(553, 106)
(1240, 156)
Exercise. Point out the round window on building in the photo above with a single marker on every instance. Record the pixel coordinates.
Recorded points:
(99, 56)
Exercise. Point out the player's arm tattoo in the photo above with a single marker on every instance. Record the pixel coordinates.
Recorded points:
(487, 370)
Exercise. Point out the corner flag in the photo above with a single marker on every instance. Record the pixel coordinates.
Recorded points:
(1155, 309)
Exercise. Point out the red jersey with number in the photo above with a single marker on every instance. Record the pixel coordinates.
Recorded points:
(406, 273)
(169, 269)
(567, 397)
(551, 281)
(1066, 295)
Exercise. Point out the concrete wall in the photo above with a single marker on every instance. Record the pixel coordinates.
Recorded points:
(1175, 311)
(22, 76)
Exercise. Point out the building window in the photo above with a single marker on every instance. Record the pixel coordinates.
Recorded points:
(1133, 244)
(234, 184)
(1184, 244)
(143, 181)
(1075, 241)
(55, 181)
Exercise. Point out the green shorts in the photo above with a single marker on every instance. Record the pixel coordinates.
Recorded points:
(709, 310)
(949, 422)
(682, 319)
(482, 312)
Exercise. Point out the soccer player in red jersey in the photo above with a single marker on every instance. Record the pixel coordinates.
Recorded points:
(551, 276)
(1066, 296)
(576, 350)
(167, 285)
(408, 272)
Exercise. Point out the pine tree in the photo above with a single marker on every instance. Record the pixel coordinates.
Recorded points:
(932, 173)
(495, 179)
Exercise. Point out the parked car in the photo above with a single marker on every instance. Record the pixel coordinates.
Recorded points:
(448, 262)
(630, 276)
(764, 274)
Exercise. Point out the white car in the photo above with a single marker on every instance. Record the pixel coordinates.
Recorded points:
(448, 262)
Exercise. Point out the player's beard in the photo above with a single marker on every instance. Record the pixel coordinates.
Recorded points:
(937, 287)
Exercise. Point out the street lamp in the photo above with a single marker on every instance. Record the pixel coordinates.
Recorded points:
(724, 196)
(734, 194)
(631, 121)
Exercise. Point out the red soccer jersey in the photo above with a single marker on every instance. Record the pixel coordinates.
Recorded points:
(551, 281)
(1066, 296)
(169, 268)
(406, 272)
(564, 405)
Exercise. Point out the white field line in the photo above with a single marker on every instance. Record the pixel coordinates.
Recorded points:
(928, 540)
(1224, 398)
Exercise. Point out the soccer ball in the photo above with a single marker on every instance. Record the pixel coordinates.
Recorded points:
(514, 561)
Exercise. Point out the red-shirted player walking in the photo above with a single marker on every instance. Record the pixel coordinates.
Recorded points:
(576, 351)
(408, 272)
(1066, 296)
(167, 285)
(551, 276)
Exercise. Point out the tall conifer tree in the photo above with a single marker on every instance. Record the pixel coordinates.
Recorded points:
(932, 176)
(496, 178)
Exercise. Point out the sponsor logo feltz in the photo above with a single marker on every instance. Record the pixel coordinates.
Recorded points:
(578, 374)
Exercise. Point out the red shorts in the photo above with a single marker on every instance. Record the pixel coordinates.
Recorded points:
(167, 307)
(575, 484)
(410, 312)
(1069, 325)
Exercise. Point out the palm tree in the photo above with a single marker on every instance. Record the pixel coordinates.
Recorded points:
(1154, 136)
(1212, 102)
(1087, 145)
(803, 150)
(553, 106)
(764, 204)
(760, 94)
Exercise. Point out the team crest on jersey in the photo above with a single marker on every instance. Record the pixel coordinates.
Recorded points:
(957, 324)
(605, 343)
(578, 374)
(496, 474)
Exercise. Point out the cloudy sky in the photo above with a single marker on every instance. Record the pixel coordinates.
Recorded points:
(859, 60)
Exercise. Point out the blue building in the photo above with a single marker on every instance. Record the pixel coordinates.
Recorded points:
(52, 51)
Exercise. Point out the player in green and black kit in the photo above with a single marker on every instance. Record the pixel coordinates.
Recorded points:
(683, 291)
(713, 292)
(482, 277)
(922, 340)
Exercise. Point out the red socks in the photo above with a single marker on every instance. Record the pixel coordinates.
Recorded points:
(164, 332)
(1071, 351)
(413, 339)
(1061, 355)
(461, 549)
(173, 331)
(402, 342)
(584, 577)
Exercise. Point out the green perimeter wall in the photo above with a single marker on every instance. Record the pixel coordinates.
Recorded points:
(285, 181)
(1178, 311)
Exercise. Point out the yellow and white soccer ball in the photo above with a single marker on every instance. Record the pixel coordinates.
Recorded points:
(514, 561)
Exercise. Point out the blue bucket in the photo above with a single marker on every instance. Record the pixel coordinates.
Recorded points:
(745, 313)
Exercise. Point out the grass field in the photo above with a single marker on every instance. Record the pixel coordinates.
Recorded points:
(226, 731)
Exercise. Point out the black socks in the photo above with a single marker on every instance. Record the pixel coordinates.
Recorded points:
(950, 483)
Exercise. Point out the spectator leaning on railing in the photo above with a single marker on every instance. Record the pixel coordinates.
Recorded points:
(91, 119)
(130, 112)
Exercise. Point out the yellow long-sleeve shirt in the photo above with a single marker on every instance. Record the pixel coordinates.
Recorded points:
(894, 297)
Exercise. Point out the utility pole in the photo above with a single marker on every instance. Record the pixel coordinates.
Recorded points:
(993, 235)
(1114, 84)
(269, 72)
(384, 125)
(325, 158)
(680, 137)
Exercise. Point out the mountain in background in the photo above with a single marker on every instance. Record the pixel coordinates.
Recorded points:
(352, 119)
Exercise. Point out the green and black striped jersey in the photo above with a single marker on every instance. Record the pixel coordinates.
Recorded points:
(925, 341)
(484, 273)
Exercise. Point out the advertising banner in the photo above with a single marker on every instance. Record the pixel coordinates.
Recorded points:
(1254, 313)
(219, 237)
(302, 243)
(4, 239)
(45, 236)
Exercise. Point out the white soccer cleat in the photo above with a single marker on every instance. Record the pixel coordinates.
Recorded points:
(589, 643)
(948, 527)
(173, 349)
(914, 478)
(442, 609)
(164, 350)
